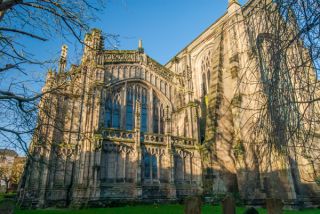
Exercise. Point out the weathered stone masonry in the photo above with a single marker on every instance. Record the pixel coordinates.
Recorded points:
(125, 128)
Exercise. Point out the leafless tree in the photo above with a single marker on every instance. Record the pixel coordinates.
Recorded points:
(38, 21)
(284, 38)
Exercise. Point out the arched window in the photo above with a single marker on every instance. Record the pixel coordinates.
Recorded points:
(120, 111)
(206, 73)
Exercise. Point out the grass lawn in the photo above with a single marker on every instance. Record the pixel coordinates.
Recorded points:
(148, 209)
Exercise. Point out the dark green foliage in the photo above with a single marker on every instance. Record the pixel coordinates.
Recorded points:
(251, 210)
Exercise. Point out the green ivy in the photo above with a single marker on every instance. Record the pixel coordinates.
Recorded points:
(238, 149)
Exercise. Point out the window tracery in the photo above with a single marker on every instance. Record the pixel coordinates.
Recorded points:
(119, 113)
(152, 164)
(158, 115)
(206, 69)
(116, 166)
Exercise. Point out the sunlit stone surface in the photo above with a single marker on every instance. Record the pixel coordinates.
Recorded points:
(126, 128)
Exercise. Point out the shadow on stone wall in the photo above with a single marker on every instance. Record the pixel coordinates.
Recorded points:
(252, 187)
(110, 174)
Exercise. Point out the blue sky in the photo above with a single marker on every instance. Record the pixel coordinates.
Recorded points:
(165, 26)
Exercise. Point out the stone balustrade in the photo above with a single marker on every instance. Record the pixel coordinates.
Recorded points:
(183, 141)
(118, 135)
(129, 136)
(152, 138)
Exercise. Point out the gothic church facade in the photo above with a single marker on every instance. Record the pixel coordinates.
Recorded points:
(126, 128)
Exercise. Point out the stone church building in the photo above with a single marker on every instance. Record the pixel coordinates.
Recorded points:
(122, 127)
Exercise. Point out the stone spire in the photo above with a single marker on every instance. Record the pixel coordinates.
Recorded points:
(140, 48)
(63, 58)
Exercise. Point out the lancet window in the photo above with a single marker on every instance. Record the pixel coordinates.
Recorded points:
(206, 67)
(158, 116)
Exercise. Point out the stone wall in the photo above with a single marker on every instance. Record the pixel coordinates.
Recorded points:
(190, 128)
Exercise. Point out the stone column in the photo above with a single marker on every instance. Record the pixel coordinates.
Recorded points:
(169, 154)
(195, 123)
(44, 176)
(137, 125)
(93, 126)
(96, 178)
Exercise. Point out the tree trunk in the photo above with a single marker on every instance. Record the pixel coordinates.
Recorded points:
(7, 186)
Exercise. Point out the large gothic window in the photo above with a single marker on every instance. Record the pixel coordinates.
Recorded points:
(120, 108)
